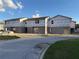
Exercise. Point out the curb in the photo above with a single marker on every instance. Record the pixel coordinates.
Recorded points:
(43, 52)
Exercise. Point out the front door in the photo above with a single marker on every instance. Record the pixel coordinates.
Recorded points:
(25, 29)
(72, 30)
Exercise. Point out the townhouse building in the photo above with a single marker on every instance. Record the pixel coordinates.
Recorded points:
(41, 25)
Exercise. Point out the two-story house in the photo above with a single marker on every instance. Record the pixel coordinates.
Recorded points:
(41, 25)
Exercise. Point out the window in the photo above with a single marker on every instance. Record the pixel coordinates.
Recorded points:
(37, 21)
(25, 22)
(52, 22)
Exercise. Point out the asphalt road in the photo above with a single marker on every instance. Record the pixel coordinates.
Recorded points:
(25, 48)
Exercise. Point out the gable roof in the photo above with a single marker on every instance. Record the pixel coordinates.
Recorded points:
(14, 19)
(74, 21)
(27, 18)
(37, 18)
(62, 16)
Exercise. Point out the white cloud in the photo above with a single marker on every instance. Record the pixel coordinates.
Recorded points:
(10, 4)
(1, 6)
(35, 16)
(37, 11)
(2, 10)
(10, 13)
(19, 4)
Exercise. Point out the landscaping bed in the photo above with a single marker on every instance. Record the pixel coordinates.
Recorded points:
(7, 37)
(65, 49)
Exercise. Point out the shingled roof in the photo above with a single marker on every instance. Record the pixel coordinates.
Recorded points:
(62, 16)
(14, 19)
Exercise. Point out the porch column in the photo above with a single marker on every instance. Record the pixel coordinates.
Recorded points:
(46, 23)
(6, 29)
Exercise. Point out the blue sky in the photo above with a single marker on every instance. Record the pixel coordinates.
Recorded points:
(27, 8)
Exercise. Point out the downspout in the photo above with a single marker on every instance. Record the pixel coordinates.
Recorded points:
(46, 25)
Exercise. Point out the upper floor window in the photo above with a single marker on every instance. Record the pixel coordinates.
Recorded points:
(37, 21)
(25, 22)
(52, 22)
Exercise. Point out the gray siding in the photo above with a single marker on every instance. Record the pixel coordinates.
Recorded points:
(59, 22)
(58, 30)
(16, 29)
(39, 30)
(29, 29)
(19, 29)
(36, 30)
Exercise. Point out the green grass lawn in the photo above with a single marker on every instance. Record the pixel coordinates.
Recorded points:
(66, 49)
(7, 37)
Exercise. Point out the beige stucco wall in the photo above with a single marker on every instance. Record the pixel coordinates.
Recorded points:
(1, 25)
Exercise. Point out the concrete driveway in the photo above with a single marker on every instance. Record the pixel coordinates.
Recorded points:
(24, 48)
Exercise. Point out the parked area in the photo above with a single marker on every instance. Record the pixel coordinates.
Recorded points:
(26, 48)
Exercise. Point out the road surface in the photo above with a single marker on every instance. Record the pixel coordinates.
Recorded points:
(24, 48)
